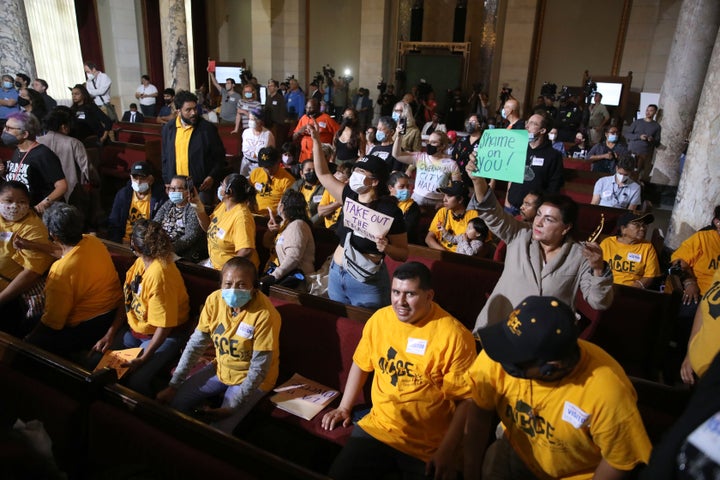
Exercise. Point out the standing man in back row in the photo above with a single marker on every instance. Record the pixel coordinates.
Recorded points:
(98, 86)
(191, 146)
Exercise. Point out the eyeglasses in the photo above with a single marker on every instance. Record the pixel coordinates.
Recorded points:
(8, 127)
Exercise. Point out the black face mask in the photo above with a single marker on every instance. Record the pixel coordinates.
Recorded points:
(18, 84)
(23, 102)
(311, 178)
(167, 102)
(431, 149)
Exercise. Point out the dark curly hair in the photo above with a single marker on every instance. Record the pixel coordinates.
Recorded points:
(240, 189)
(149, 239)
(294, 206)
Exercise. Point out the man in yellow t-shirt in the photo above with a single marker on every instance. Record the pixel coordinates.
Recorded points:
(270, 180)
(452, 219)
(632, 259)
(700, 253)
(567, 408)
(704, 343)
(413, 346)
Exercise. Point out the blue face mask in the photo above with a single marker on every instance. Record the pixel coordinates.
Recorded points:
(176, 197)
(236, 297)
(248, 94)
(395, 116)
(403, 194)
(7, 85)
(612, 138)
(380, 136)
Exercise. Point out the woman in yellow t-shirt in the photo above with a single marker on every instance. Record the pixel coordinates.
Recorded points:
(82, 291)
(21, 270)
(245, 329)
(231, 227)
(633, 259)
(156, 304)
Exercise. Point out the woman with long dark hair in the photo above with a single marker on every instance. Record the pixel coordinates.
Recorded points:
(349, 141)
(89, 119)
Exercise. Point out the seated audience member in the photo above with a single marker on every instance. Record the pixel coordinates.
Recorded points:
(528, 210)
(566, 407)
(241, 316)
(399, 186)
(370, 140)
(557, 144)
(33, 163)
(41, 86)
(21, 270)
(231, 227)
(82, 290)
(179, 220)
(311, 189)
(142, 197)
(329, 209)
(289, 154)
(291, 244)
(31, 101)
(385, 137)
(90, 120)
(689, 449)
(619, 190)
(581, 147)
(451, 220)
(471, 241)
(632, 259)
(411, 140)
(433, 125)
(254, 138)
(167, 111)
(156, 304)
(434, 169)
(8, 98)
(542, 257)
(467, 144)
(270, 180)
(414, 348)
(604, 155)
(132, 115)
(704, 343)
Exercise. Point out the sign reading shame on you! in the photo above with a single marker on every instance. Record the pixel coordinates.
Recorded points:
(501, 155)
(364, 221)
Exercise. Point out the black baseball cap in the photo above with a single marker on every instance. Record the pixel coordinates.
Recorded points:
(374, 165)
(268, 156)
(625, 218)
(141, 169)
(538, 329)
(455, 189)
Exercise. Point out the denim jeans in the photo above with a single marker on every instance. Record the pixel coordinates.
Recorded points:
(162, 360)
(374, 293)
(205, 384)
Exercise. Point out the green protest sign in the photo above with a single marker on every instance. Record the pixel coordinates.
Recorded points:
(501, 155)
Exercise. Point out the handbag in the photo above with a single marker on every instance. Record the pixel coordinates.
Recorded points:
(358, 265)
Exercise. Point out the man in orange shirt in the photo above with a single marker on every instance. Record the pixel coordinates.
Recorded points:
(327, 127)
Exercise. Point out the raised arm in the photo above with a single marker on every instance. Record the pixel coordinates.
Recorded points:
(331, 184)
(408, 159)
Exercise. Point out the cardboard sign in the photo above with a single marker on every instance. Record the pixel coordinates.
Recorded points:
(303, 397)
(365, 222)
(114, 359)
(501, 155)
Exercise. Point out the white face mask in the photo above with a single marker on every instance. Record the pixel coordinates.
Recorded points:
(13, 212)
(90, 77)
(357, 183)
(552, 137)
(140, 187)
(252, 123)
(531, 137)
(622, 178)
(287, 159)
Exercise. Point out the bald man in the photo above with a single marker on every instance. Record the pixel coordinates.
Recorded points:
(511, 113)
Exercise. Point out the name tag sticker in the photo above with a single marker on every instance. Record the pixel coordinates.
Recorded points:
(259, 187)
(5, 236)
(246, 331)
(416, 346)
(274, 102)
(220, 233)
(574, 415)
(538, 162)
(707, 436)
(322, 124)
(316, 198)
(634, 257)
(280, 240)
(607, 193)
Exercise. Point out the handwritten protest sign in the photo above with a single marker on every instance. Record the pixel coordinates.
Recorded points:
(501, 155)
(364, 221)
(114, 359)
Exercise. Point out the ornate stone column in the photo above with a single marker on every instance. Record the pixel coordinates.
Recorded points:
(699, 189)
(16, 56)
(173, 31)
(692, 46)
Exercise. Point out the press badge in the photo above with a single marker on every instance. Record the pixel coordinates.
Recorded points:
(574, 415)
(258, 187)
(246, 331)
(538, 162)
(416, 346)
(220, 233)
(322, 124)
(634, 257)
(5, 236)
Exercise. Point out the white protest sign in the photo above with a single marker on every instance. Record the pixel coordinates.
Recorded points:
(364, 221)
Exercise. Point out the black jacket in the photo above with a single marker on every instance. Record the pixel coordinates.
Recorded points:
(121, 208)
(206, 152)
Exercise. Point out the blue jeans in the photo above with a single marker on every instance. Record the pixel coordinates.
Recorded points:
(205, 384)
(166, 355)
(374, 293)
